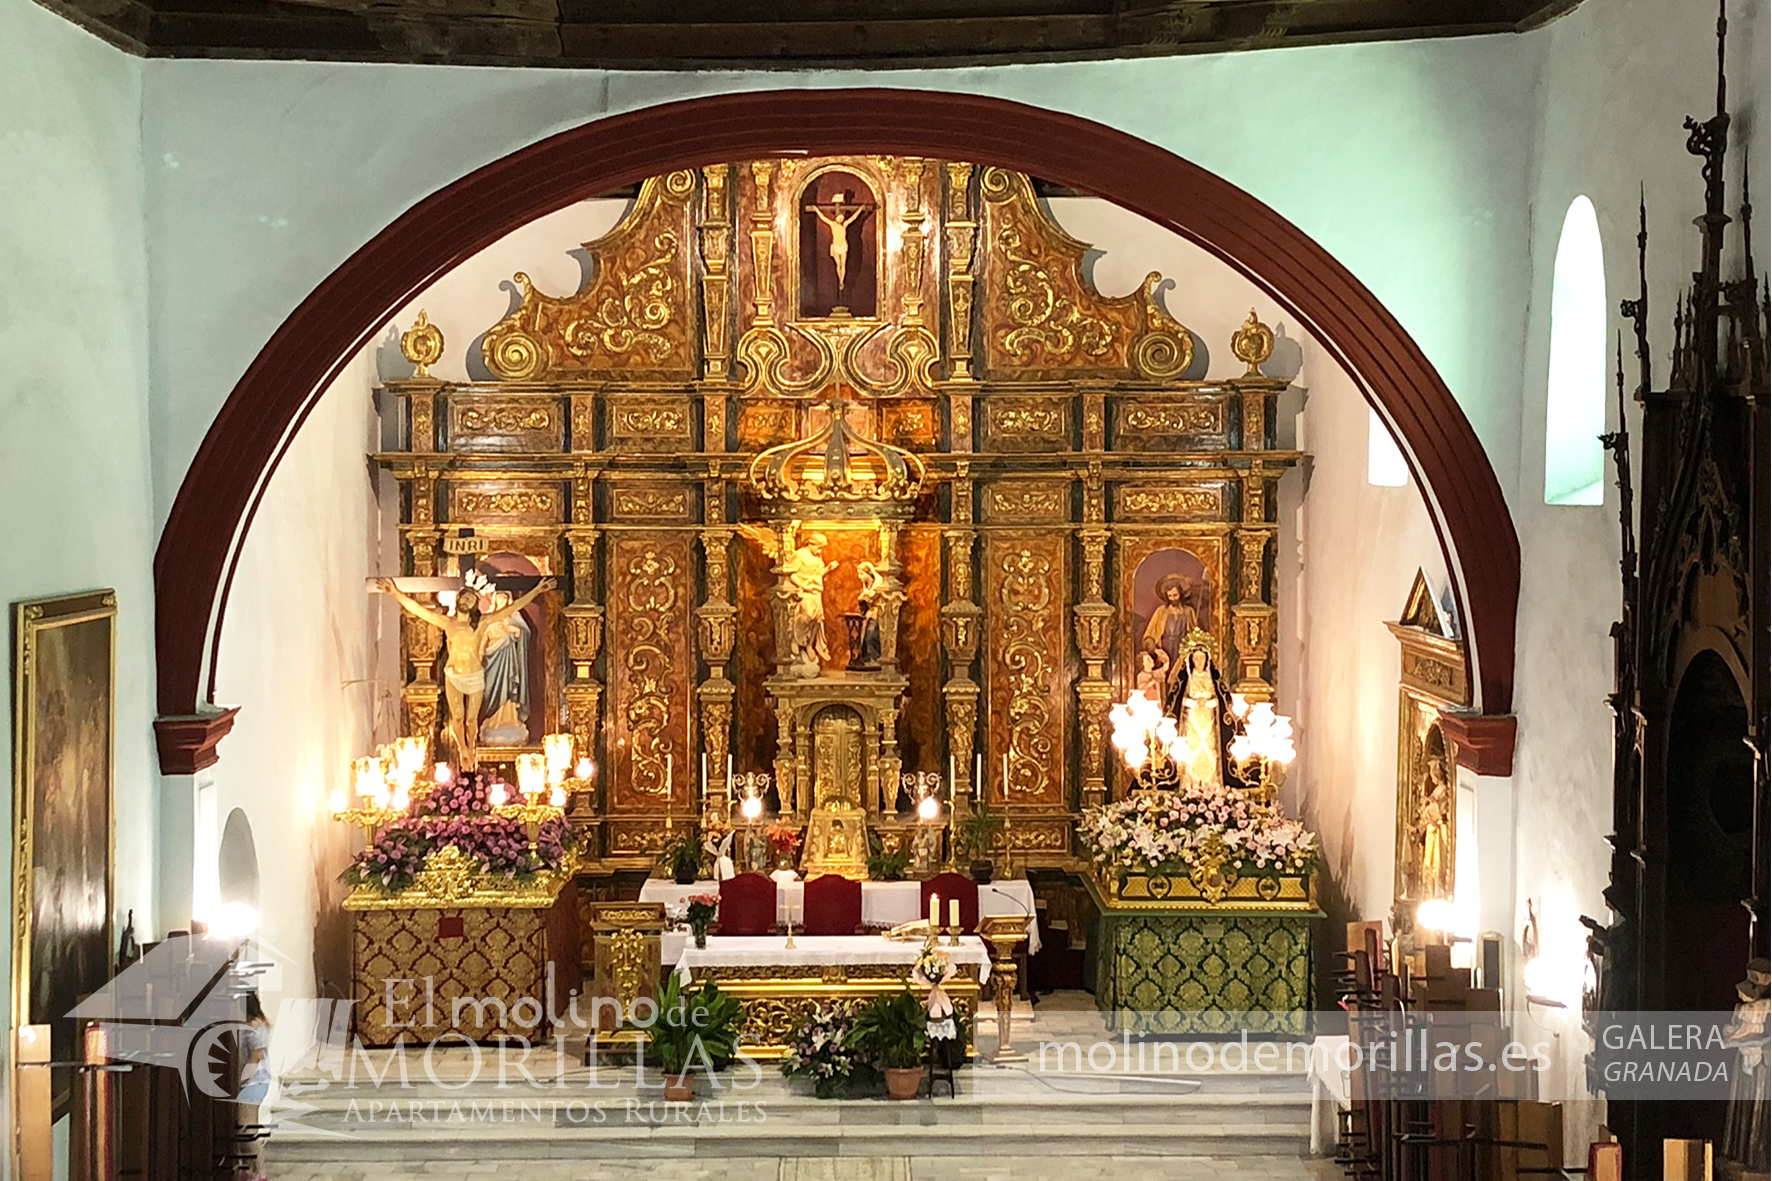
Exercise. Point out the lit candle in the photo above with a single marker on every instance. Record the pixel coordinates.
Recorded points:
(1005, 775)
(954, 912)
(584, 769)
(336, 801)
(557, 798)
(704, 776)
(495, 795)
(440, 773)
(951, 778)
(935, 910)
(670, 772)
(978, 777)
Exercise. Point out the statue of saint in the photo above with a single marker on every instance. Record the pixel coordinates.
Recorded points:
(465, 635)
(804, 571)
(1433, 834)
(1198, 702)
(837, 217)
(1172, 621)
(505, 710)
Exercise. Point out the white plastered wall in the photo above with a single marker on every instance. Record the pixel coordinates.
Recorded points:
(1619, 78)
(75, 488)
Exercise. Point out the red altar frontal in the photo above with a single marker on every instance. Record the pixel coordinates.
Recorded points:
(452, 956)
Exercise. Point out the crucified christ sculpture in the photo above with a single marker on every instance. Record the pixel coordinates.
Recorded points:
(464, 665)
(838, 216)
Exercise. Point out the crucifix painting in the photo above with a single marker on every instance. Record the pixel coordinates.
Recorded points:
(839, 247)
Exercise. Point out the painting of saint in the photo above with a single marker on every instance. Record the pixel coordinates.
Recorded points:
(839, 253)
(1171, 597)
(62, 805)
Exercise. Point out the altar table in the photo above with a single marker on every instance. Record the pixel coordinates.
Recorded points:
(778, 987)
(883, 904)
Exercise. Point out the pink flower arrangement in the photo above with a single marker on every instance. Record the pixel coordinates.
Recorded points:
(1162, 831)
(459, 813)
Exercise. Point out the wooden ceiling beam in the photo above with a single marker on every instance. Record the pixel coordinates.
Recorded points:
(663, 34)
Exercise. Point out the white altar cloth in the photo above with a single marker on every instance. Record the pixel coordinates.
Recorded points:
(883, 904)
(814, 951)
(1330, 1091)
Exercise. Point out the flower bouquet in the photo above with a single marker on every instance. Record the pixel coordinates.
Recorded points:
(1167, 832)
(784, 843)
(702, 909)
(826, 1050)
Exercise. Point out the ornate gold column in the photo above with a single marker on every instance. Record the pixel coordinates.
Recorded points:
(763, 243)
(960, 619)
(584, 637)
(716, 251)
(419, 641)
(1094, 624)
(1252, 617)
(962, 233)
(716, 632)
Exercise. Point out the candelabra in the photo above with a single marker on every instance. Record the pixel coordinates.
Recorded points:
(1153, 746)
(385, 784)
(750, 786)
(1262, 749)
(536, 774)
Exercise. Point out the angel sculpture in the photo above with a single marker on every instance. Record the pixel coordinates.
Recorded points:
(801, 580)
(719, 854)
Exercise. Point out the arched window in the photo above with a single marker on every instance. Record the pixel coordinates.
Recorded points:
(1575, 401)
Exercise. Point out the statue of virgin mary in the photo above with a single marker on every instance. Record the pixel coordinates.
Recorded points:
(1200, 706)
(505, 707)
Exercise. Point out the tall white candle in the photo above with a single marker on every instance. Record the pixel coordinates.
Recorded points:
(670, 773)
(1005, 775)
(978, 776)
(951, 779)
(935, 910)
(704, 775)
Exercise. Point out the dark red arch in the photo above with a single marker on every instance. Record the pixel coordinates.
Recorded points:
(208, 522)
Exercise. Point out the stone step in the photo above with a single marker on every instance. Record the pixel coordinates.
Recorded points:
(997, 1111)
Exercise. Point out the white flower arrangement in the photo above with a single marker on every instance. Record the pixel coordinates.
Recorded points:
(1160, 832)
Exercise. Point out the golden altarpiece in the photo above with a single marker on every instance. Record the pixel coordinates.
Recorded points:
(845, 471)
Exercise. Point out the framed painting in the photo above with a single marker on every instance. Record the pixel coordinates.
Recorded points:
(63, 742)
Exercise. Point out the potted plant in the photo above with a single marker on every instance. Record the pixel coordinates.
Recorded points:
(886, 865)
(826, 1050)
(689, 1028)
(682, 856)
(974, 835)
(702, 909)
(894, 1026)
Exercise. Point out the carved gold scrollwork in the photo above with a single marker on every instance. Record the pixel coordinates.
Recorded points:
(1046, 326)
(651, 659)
(633, 315)
(1027, 595)
(1166, 349)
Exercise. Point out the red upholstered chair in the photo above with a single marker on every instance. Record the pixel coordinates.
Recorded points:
(833, 906)
(747, 905)
(952, 885)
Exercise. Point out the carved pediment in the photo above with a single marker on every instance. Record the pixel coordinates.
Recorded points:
(633, 318)
(1042, 317)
